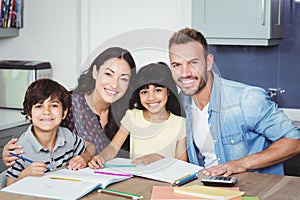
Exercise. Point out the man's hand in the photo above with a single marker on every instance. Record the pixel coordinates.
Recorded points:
(12, 146)
(226, 169)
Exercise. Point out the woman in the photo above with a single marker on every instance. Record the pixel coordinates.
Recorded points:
(98, 102)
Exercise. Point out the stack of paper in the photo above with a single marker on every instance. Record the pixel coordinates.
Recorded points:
(167, 193)
(208, 192)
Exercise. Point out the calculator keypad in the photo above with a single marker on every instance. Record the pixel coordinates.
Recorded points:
(219, 181)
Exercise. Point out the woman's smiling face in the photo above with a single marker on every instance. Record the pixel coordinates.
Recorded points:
(112, 79)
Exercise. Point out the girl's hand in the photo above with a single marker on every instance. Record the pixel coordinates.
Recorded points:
(77, 162)
(97, 162)
(147, 159)
(12, 146)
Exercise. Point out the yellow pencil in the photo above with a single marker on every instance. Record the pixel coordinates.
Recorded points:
(64, 178)
(181, 178)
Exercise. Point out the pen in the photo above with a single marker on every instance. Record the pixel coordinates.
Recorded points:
(122, 194)
(21, 157)
(65, 179)
(118, 165)
(112, 174)
(26, 159)
(186, 179)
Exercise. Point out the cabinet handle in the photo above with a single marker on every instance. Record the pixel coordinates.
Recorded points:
(279, 12)
(263, 3)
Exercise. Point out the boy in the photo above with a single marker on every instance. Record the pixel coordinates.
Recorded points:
(50, 146)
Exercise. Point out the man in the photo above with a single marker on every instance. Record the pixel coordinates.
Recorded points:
(231, 127)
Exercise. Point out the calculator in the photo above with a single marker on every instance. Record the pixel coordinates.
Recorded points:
(219, 181)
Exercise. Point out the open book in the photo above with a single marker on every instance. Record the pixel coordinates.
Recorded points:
(64, 184)
(165, 170)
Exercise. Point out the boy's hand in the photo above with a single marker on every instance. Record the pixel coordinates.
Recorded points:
(97, 162)
(34, 169)
(77, 162)
(12, 146)
(147, 159)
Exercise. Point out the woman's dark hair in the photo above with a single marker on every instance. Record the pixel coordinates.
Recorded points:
(86, 85)
(157, 74)
(40, 90)
(86, 82)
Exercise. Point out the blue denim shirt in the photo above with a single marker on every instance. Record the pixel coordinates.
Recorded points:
(243, 121)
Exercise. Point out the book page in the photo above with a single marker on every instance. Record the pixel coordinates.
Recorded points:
(64, 184)
(88, 175)
(50, 188)
(166, 170)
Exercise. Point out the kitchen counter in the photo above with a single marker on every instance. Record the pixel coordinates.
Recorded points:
(293, 114)
(11, 118)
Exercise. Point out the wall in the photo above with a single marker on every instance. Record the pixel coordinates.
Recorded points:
(141, 26)
(51, 33)
(268, 67)
(66, 32)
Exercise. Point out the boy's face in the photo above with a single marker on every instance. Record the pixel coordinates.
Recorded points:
(47, 116)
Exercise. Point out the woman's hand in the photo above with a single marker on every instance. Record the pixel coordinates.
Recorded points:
(11, 146)
(97, 162)
(147, 159)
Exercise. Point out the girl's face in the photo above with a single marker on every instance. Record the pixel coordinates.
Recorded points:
(112, 79)
(154, 99)
(47, 116)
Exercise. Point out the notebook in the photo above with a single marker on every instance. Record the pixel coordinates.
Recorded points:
(165, 170)
(64, 184)
(208, 192)
(167, 193)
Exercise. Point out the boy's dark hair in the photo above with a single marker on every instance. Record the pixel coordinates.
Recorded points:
(40, 90)
(157, 74)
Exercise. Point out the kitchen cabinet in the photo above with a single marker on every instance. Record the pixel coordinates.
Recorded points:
(12, 125)
(6, 135)
(239, 22)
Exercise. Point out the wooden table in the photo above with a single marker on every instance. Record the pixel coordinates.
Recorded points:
(264, 186)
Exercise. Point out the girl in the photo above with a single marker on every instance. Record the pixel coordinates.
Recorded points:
(156, 128)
